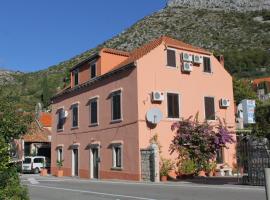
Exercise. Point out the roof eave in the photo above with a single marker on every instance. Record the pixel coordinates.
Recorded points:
(97, 79)
(92, 57)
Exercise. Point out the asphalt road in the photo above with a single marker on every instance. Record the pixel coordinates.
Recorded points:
(51, 188)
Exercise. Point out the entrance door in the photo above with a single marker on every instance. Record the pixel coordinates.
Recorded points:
(75, 162)
(95, 163)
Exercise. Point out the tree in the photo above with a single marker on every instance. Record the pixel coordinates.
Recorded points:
(199, 141)
(262, 116)
(13, 124)
(46, 93)
(242, 90)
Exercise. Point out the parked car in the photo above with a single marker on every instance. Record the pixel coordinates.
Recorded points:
(33, 164)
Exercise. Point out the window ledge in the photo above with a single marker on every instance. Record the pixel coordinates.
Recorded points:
(117, 168)
(116, 121)
(172, 67)
(75, 127)
(211, 120)
(173, 119)
(93, 125)
(60, 130)
(208, 73)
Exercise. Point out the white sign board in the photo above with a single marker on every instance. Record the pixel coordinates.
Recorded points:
(248, 111)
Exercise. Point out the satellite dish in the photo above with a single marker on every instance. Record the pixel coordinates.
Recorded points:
(154, 116)
(38, 110)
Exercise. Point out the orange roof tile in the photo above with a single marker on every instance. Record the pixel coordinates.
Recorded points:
(115, 51)
(259, 80)
(145, 49)
(37, 136)
(46, 119)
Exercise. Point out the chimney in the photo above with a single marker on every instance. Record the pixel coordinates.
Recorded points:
(221, 59)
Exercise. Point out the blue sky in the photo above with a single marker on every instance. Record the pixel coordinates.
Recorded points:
(36, 34)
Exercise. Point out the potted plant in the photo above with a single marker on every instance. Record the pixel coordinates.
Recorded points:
(60, 171)
(43, 171)
(210, 168)
(187, 168)
(166, 166)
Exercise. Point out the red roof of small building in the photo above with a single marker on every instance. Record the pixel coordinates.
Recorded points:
(38, 136)
(260, 80)
(46, 119)
(39, 130)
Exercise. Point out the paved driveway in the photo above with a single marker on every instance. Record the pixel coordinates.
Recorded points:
(51, 188)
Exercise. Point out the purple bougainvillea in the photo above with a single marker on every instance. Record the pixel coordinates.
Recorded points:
(200, 141)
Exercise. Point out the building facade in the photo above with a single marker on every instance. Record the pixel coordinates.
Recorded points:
(100, 124)
(262, 88)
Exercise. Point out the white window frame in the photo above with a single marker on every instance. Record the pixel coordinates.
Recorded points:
(114, 156)
(91, 163)
(96, 98)
(72, 161)
(113, 93)
(72, 105)
(179, 105)
(57, 112)
(58, 153)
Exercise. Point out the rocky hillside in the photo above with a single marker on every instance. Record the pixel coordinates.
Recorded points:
(236, 5)
(8, 77)
(243, 37)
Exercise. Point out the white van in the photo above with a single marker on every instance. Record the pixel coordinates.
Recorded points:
(33, 164)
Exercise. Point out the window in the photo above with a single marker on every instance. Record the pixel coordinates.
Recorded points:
(117, 156)
(38, 160)
(209, 105)
(61, 118)
(59, 154)
(75, 115)
(206, 64)
(171, 61)
(219, 158)
(93, 71)
(93, 108)
(116, 105)
(173, 105)
(76, 77)
(27, 160)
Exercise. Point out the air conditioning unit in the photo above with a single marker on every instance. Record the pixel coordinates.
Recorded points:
(157, 96)
(224, 103)
(187, 67)
(187, 57)
(198, 59)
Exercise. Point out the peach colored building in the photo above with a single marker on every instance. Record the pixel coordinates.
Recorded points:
(99, 122)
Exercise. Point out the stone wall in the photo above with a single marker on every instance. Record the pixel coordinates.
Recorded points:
(147, 165)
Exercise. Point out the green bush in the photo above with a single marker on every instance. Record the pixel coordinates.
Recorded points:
(10, 187)
(166, 166)
(262, 116)
(187, 167)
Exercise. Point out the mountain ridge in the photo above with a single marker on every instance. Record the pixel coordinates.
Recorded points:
(229, 5)
(243, 40)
